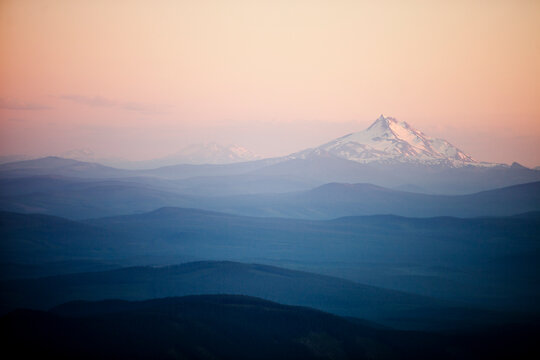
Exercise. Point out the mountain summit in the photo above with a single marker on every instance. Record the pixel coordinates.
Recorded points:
(388, 140)
(212, 153)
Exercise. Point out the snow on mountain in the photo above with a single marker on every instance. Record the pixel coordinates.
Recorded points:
(208, 153)
(213, 153)
(388, 140)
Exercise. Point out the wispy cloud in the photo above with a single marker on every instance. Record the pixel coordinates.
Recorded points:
(98, 101)
(11, 104)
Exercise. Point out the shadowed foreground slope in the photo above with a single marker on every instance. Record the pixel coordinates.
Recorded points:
(235, 327)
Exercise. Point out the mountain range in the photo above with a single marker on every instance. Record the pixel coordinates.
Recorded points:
(385, 141)
(389, 153)
(87, 198)
(338, 296)
(387, 227)
(487, 261)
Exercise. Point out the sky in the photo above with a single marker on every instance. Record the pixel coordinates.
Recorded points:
(143, 79)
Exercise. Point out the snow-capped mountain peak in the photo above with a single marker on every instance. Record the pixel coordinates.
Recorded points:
(389, 140)
(213, 153)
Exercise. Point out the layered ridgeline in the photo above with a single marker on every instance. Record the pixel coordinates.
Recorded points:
(327, 293)
(387, 307)
(400, 162)
(88, 198)
(488, 262)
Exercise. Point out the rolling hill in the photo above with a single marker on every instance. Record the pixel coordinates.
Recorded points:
(486, 261)
(85, 198)
(291, 287)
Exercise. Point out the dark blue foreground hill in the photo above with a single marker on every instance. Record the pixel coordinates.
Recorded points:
(236, 327)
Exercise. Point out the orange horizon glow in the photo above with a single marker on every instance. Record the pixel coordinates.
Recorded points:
(141, 79)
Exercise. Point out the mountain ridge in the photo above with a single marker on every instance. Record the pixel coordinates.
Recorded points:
(91, 199)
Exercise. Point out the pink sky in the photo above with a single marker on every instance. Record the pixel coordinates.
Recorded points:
(141, 79)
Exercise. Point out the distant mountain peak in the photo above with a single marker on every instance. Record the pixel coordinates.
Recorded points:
(388, 140)
(213, 153)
